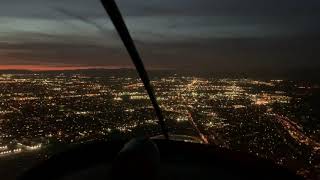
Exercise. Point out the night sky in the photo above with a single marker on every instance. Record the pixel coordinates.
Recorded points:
(213, 35)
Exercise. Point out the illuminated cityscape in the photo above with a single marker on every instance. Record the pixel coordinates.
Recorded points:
(272, 119)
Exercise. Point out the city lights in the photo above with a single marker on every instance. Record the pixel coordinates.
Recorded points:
(37, 110)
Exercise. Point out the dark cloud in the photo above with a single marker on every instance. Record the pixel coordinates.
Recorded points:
(237, 54)
(225, 7)
(93, 8)
(212, 54)
(82, 18)
(203, 34)
(71, 54)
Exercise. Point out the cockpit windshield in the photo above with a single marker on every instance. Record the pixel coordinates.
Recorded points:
(239, 75)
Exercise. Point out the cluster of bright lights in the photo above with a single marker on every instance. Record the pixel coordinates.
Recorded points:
(34, 147)
(3, 147)
(8, 152)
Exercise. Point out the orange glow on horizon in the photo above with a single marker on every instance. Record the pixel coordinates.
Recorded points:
(54, 68)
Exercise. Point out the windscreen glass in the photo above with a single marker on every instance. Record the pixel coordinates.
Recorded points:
(241, 75)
